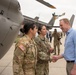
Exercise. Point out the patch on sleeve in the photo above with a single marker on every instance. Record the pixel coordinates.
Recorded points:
(21, 47)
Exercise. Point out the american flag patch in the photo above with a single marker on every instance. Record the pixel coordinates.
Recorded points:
(22, 47)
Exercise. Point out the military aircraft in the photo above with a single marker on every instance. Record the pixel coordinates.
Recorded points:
(10, 22)
(49, 25)
(72, 19)
(46, 3)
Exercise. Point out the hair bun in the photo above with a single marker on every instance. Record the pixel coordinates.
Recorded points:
(22, 30)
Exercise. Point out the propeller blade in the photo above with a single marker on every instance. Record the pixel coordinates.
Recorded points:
(47, 4)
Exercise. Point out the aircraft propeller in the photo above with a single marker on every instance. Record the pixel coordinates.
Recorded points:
(46, 3)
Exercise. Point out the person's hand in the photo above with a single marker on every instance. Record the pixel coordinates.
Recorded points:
(54, 58)
(73, 71)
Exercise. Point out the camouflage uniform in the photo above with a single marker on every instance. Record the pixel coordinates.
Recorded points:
(56, 42)
(24, 60)
(43, 56)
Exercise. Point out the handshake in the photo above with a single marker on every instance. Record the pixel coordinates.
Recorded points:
(54, 58)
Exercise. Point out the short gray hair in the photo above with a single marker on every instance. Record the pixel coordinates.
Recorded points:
(65, 20)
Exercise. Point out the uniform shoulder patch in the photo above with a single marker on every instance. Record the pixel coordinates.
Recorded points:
(21, 47)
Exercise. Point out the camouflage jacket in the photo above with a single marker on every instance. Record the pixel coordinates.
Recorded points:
(43, 47)
(24, 59)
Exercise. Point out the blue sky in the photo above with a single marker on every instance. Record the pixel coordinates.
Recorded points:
(32, 8)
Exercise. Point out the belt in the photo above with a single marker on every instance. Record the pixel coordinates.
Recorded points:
(68, 61)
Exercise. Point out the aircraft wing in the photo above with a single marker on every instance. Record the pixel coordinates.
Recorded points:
(51, 22)
(46, 3)
(61, 14)
(72, 20)
(51, 26)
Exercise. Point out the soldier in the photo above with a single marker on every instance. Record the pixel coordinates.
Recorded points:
(50, 36)
(43, 51)
(57, 42)
(24, 60)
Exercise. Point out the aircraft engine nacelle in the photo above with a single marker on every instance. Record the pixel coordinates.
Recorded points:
(10, 23)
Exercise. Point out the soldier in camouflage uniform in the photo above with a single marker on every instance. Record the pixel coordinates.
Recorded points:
(43, 52)
(25, 53)
(57, 42)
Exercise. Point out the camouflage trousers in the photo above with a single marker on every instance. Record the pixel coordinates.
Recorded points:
(42, 69)
(30, 72)
(56, 49)
(27, 72)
